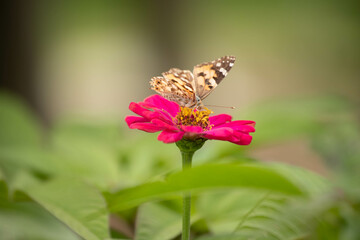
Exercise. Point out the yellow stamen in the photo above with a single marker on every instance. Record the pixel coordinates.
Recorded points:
(194, 117)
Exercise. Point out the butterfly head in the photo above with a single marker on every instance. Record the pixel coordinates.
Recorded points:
(198, 99)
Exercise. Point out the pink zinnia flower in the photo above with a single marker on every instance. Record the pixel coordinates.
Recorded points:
(189, 128)
(175, 122)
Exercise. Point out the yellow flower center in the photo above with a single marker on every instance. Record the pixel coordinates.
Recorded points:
(194, 117)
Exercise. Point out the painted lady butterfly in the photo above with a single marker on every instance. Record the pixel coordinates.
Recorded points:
(187, 88)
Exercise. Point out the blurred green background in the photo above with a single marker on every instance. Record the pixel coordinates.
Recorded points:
(91, 58)
(71, 68)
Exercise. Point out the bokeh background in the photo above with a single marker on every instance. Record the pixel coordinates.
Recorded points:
(71, 68)
(93, 57)
(89, 59)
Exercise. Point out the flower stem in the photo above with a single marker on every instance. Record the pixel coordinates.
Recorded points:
(186, 163)
(187, 149)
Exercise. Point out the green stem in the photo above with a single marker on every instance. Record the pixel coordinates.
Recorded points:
(186, 163)
(187, 148)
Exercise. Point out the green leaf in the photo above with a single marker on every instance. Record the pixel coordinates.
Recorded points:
(116, 239)
(14, 159)
(78, 205)
(309, 182)
(266, 218)
(223, 209)
(156, 222)
(26, 220)
(273, 217)
(269, 216)
(30, 221)
(146, 159)
(224, 237)
(264, 214)
(202, 178)
(87, 151)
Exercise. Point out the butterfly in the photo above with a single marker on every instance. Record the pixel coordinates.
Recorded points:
(188, 88)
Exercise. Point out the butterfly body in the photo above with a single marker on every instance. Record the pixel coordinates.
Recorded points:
(188, 88)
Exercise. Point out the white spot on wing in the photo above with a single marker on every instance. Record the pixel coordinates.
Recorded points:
(223, 71)
(212, 82)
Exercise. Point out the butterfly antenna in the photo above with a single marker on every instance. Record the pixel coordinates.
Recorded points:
(220, 106)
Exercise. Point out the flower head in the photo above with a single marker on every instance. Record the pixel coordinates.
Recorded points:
(175, 123)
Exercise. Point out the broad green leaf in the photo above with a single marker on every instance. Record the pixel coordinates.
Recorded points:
(311, 183)
(202, 178)
(26, 220)
(87, 151)
(14, 159)
(274, 218)
(264, 214)
(156, 222)
(261, 214)
(223, 209)
(30, 221)
(79, 206)
(116, 239)
(231, 236)
(143, 158)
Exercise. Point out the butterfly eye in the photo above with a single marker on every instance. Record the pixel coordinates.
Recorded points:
(198, 99)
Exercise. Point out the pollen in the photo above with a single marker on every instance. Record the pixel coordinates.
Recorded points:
(194, 117)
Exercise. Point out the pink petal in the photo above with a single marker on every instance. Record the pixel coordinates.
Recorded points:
(158, 122)
(150, 113)
(170, 137)
(243, 128)
(147, 127)
(220, 134)
(133, 119)
(165, 116)
(162, 103)
(244, 140)
(137, 109)
(219, 119)
(238, 123)
(193, 129)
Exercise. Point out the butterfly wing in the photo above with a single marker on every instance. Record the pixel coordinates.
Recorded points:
(176, 85)
(208, 75)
